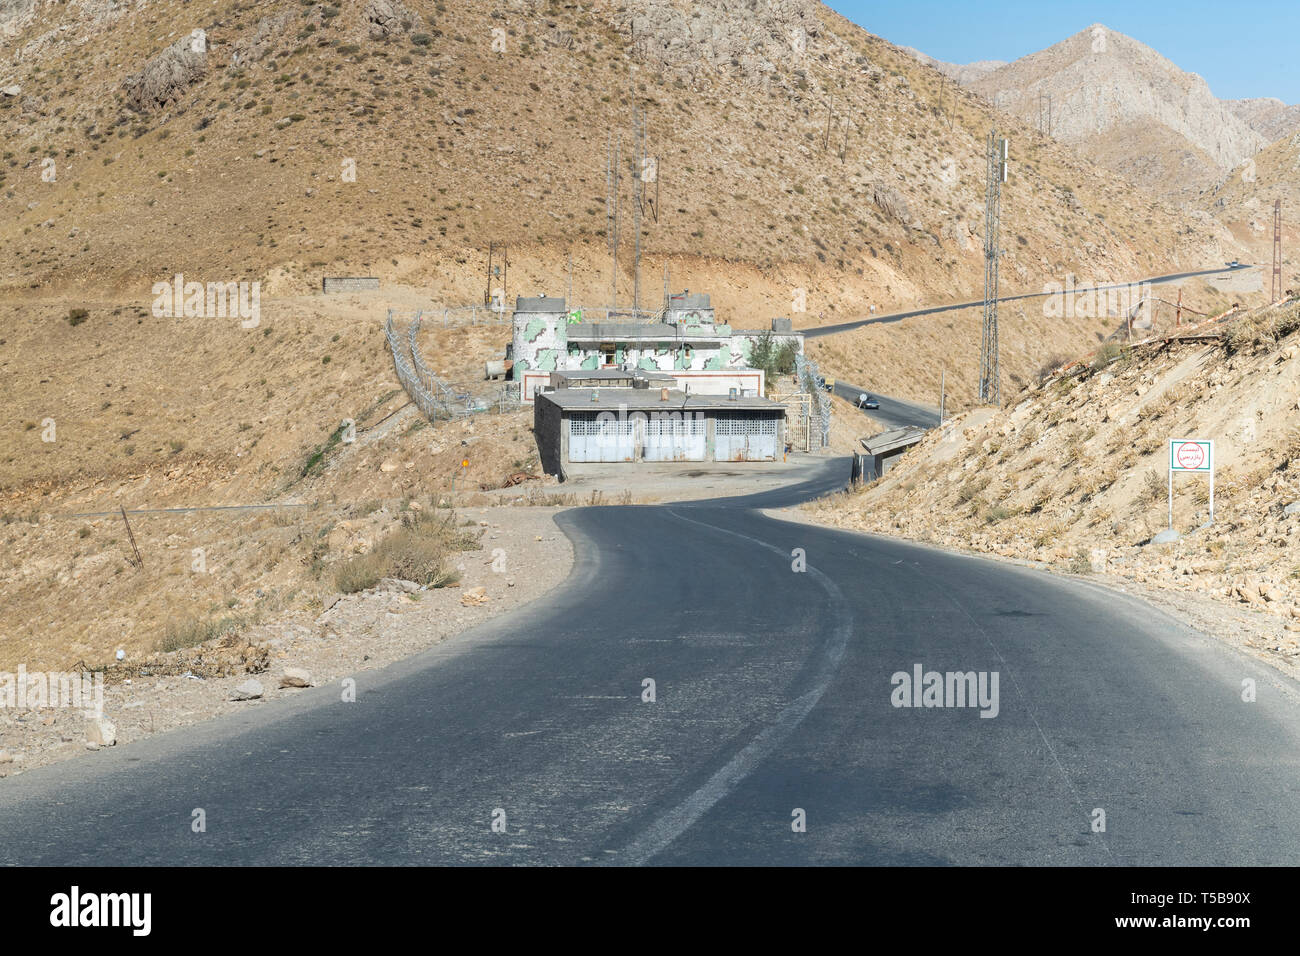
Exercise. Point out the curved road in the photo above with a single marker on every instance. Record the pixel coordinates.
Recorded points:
(773, 694)
(893, 412)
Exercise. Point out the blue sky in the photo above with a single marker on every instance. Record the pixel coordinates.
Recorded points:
(1242, 48)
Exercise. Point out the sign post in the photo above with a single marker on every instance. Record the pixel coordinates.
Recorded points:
(1190, 455)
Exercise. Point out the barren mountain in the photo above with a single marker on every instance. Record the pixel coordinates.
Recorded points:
(1266, 115)
(290, 139)
(1073, 474)
(963, 73)
(1128, 108)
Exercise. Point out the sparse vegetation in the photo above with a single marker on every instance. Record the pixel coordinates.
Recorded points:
(417, 551)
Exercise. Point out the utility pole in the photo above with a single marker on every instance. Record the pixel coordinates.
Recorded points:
(1277, 251)
(943, 392)
(990, 381)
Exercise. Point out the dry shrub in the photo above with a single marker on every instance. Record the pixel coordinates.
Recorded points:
(417, 551)
(1153, 486)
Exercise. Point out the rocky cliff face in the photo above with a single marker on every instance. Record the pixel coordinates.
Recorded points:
(1126, 106)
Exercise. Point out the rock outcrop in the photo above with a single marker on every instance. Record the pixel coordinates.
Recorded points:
(166, 78)
(388, 18)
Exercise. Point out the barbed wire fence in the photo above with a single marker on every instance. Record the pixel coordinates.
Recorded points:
(436, 397)
(810, 379)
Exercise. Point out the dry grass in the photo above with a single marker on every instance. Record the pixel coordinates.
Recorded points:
(187, 632)
(417, 551)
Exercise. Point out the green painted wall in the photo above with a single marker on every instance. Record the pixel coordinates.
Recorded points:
(720, 359)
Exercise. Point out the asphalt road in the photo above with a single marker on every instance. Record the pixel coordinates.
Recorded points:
(772, 695)
(813, 333)
(893, 412)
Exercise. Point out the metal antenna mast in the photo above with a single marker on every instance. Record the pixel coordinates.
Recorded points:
(990, 381)
(1277, 251)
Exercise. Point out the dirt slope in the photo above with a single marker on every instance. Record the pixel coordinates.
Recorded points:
(1074, 473)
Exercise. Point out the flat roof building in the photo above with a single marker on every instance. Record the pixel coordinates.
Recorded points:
(653, 423)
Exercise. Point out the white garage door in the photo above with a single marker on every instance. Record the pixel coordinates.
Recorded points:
(601, 439)
(745, 439)
(674, 438)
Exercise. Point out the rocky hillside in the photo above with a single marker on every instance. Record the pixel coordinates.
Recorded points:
(1073, 474)
(963, 73)
(1122, 104)
(281, 140)
(1267, 115)
(1245, 202)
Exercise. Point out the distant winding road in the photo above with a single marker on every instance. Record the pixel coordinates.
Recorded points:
(818, 332)
(772, 691)
(897, 412)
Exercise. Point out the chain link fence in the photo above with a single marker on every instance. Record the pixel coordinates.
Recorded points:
(810, 380)
(437, 398)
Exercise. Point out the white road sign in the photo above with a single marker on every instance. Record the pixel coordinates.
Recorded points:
(1191, 454)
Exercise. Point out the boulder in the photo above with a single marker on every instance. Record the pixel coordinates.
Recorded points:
(248, 690)
(890, 202)
(295, 677)
(100, 731)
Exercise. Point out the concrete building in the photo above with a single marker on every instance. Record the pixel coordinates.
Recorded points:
(644, 423)
(707, 356)
(882, 450)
